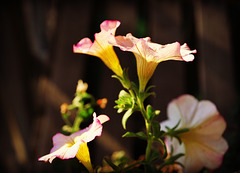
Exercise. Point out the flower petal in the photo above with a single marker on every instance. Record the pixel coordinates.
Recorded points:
(84, 157)
(149, 55)
(90, 132)
(183, 108)
(203, 152)
(103, 118)
(203, 144)
(101, 48)
(84, 46)
(186, 53)
(187, 106)
(64, 148)
(205, 110)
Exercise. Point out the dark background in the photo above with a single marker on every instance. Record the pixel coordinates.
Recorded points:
(39, 71)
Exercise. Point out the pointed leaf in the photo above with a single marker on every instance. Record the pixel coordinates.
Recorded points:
(126, 116)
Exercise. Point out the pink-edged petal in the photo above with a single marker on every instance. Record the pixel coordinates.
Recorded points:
(93, 48)
(103, 118)
(110, 26)
(153, 51)
(101, 48)
(60, 153)
(186, 53)
(203, 152)
(64, 148)
(90, 132)
(83, 46)
(125, 43)
(149, 55)
(60, 140)
(203, 143)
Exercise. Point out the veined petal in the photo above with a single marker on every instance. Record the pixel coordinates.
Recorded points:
(203, 144)
(66, 147)
(84, 157)
(203, 151)
(63, 148)
(213, 127)
(205, 111)
(181, 109)
(101, 48)
(149, 55)
(58, 153)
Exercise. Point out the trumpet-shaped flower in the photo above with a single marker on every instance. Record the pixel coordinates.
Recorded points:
(101, 48)
(75, 145)
(149, 55)
(203, 145)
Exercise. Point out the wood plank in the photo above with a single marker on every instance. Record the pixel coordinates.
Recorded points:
(215, 57)
(169, 77)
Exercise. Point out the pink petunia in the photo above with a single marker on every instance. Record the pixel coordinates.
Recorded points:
(149, 55)
(203, 145)
(66, 147)
(101, 48)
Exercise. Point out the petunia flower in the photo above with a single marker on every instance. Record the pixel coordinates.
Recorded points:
(101, 48)
(75, 145)
(203, 145)
(149, 55)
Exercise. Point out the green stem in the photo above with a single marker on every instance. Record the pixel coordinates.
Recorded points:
(76, 124)
(66, 120)
(149, 141)
(148, 129)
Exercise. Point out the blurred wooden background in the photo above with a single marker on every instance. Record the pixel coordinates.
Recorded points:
(39, 71)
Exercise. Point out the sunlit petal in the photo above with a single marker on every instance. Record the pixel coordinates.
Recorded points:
(149, 55)
(84, 157)
(75, 145)
(101, 48)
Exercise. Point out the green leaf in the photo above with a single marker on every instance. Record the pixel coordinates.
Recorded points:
(125, 117)
(140, 135)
